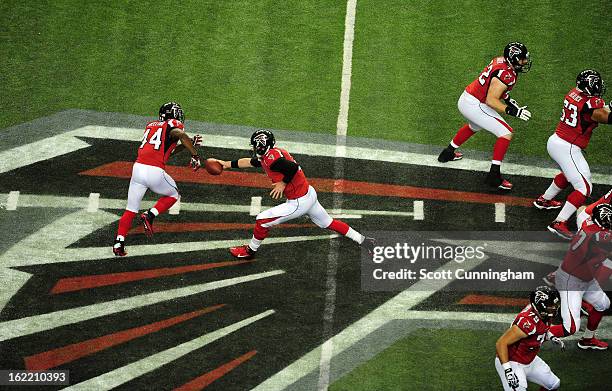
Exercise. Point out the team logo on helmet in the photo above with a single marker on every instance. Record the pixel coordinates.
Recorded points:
(260, 140)
(540, 297)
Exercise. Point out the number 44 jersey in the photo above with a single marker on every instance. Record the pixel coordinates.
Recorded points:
(576, 125)
(157, 145)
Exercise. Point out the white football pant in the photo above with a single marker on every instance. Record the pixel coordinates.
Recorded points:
(149, 177)
(482, 116)
(536, 372)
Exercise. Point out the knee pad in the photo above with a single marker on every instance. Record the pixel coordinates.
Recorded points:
(603, 304)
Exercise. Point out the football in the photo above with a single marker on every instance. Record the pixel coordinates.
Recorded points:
(213, 167)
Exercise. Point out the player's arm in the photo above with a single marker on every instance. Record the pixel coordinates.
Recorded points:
(497, 89)
(602, 115)
(195, 140)
(511, 336)
(179, 134)
(245, 162)
(288, 169)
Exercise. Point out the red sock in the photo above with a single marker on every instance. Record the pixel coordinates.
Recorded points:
(561, 181)
(594, 319)
(339, 226)
(260, 232)
(125, 223)
(463, 134)
(164, 203)
(557, 330)
(576, 198)
(500, 148)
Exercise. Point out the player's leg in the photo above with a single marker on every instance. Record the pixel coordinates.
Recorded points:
(547, 200)
(466, 105)
(540, 373)
(599, 302)
(319, 216)
(518, 371)
(163, 184)
(571, 302)
(136, 191)
(576, 169)
(267, 219)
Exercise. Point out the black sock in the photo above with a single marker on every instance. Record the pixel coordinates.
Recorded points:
(495, 169)
(451, 148)
(151, 215)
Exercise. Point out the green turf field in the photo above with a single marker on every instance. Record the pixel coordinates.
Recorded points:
(278, 64)
(460, 360)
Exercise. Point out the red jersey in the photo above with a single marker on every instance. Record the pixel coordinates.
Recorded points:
(588, 249)
(499, 68)
(576, 125)
(157, 145)
(298, 187)
(606, 199)
(526, 349)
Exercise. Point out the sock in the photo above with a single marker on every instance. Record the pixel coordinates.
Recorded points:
(343, 229)
(499, 150)
(575, 200)
(588, 334)
(558, 184)
(463, 134)
(593, 322)
(255, 243)
(162, 205)
(557, 330)
(495, 169)
(125, 223)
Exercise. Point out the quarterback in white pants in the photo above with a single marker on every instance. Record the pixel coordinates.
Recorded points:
(289, 180)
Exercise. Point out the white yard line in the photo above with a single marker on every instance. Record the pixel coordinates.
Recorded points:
(340, 154)
(34, 324)
(122, 375)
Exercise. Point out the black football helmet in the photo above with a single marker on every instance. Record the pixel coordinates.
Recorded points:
(171, 110)
(590, 82)
(602, 215)
(514, 53)
(261, 141)
(546, 302)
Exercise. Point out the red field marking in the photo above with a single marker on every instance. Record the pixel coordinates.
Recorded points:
(326, 185)
(196, 227)
(206, 379)
(493, 300)
(69, 353)
(71, 284)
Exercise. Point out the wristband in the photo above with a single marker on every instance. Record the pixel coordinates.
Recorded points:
(511, 110)
(506, 366)
(235, 164)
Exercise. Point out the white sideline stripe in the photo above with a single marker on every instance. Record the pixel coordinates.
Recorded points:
(93, 203)
(52, 201)
(176, 208)
(234, 142)
(255, 208)
(352, 334)
(37, 323)
(419, 213)
(345, 216)
(12, 200)
(116, 377)
(500, 212)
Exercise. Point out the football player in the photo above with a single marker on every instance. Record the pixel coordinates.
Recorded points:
(159, 141)
(517, 360)
(288, 180)
(588, 211)
(482, 104)
(583, 109)
(589, 255)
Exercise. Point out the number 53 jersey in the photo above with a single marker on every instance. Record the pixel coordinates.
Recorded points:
(156, 145)
(576, 125)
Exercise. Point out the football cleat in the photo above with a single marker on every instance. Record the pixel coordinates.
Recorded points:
(146, 219)
(549, 279)
(561, 229)
(449, 155)
(543, 203)
(243, 252)
(369, 244)
(119, 248)
(592, 343)
(495, 180)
